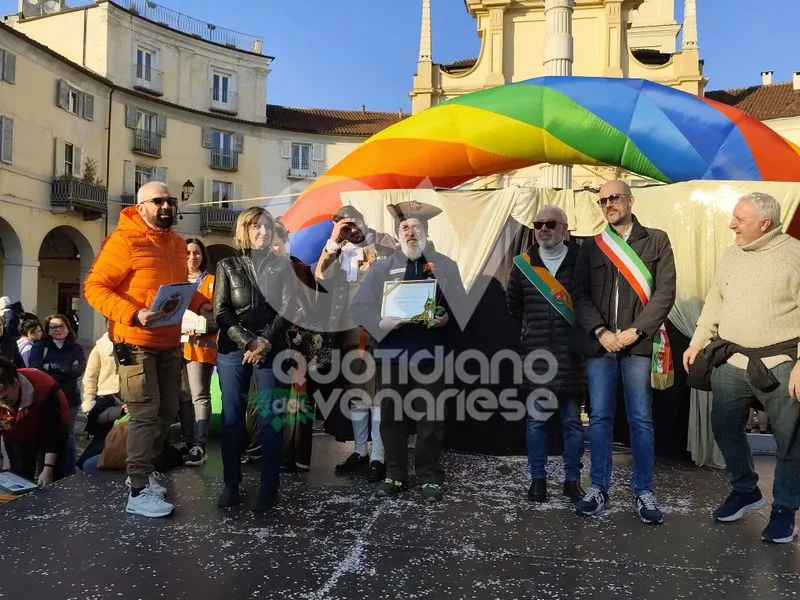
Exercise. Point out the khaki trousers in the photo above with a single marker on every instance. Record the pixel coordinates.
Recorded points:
(151, 390)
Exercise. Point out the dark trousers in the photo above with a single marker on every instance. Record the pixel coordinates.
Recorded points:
(234, 381)
(401, 403)
(733, 398)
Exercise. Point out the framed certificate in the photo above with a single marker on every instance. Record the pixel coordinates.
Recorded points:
(406, 299)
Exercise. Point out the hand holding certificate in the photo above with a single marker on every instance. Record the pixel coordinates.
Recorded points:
(410, 302)
(171, 303)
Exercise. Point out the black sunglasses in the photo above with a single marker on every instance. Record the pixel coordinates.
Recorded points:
(612, 199)
(537, 225)
(171, 201)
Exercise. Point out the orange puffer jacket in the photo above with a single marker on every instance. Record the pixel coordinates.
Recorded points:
(133, 262)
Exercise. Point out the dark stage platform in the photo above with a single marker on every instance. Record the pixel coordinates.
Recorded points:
(331, 539)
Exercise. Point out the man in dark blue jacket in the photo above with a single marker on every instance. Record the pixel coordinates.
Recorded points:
(402, 342)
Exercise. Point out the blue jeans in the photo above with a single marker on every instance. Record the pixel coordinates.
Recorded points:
(604, 373)
(234, 382)
(91, 464)
(733, 398)
(536, 435)
(70, 459)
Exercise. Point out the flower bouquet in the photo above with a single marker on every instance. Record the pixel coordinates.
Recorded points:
(308, 343)
(429, 313)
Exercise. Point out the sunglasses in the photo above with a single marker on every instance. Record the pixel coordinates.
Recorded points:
(537, 225)
(171, 201)
(57, 327)
(612, 199)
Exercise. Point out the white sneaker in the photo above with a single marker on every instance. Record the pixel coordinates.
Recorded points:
(148, 504)
(153, 484)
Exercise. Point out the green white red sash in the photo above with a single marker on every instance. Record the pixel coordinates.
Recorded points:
(631, 267)
(548, 286)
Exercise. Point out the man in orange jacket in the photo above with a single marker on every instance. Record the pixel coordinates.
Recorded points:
(141, 255)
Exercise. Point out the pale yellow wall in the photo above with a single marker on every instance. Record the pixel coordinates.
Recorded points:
(183, 154)
(653, 25)
(788, 128)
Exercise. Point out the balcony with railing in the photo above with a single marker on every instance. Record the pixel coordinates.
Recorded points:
(147, 79)
(193, 27)
(224, 102)
(225, 160)
(77, 195)
(146, 142)
(218, 217)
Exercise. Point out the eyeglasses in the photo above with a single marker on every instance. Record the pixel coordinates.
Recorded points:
(537, 225)
(56, 327)
(170, 200)
(612, 199)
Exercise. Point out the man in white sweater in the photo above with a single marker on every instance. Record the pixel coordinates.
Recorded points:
(748, 336)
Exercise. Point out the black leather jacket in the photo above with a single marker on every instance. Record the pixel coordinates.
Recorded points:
(244, 311)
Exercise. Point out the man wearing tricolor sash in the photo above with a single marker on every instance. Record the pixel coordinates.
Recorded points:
(542, 308)
(623, 290)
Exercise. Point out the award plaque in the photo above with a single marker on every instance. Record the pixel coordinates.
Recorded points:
(406, 299)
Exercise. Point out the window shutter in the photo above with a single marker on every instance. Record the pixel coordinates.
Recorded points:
(81, 98)
(130, 116)
(77, 159)
(161, 174)
(238, 193)
(129, 178)
(63, 94)
(161, 126)
(208, 190)
(88, 107)
(7, 145)
(208, 137)
(238, 143)
(286, 149)
(9, 67)
(60, 156)
(318, 152)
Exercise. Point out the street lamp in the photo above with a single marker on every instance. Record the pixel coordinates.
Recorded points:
(188, 190)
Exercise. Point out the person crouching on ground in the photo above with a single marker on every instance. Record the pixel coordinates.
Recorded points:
(254, 301)
(34, 418)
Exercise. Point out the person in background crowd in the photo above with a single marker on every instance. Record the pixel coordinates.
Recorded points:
(622, 303)
(31, 332)
(254, 300)
(403, 342)
(540, 304)
(13, 312)
(345, 260)
(135, 260)
(61, 357)
(749, 337)
(199, 358)
(34, 418)
(101, 401)
(8, 346)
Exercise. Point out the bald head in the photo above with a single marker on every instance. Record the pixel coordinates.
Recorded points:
(154, 189)
(616, 201)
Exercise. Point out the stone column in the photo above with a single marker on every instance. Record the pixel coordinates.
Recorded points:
(616, 39)
(690, 25)
(423, 89)
(495, 47)
(558, 61)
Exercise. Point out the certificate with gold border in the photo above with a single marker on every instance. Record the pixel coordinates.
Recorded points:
(406, 299)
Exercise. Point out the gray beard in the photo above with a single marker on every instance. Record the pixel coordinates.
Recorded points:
(413, 253)
(551, 244)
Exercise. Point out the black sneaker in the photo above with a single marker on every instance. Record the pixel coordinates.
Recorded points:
(737, 505)
(781, 528)
(267, 500)
(390, 487)
(537, 492)
(196, 457)
(377, 471)
(593, 502)
(355, 462)
(647, 509)
(432, 492)
(229, 496)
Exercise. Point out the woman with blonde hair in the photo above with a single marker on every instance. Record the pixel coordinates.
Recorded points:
(254, 302)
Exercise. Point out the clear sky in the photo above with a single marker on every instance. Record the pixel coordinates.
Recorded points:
(345, 53)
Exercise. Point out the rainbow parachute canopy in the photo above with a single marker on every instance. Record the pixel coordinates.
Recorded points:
(644, 127)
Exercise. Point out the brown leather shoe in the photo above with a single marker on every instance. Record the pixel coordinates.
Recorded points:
(573, 490)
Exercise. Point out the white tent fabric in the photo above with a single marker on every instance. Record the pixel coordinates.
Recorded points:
(695, 215)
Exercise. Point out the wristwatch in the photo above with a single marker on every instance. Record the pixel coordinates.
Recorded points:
(639, 332)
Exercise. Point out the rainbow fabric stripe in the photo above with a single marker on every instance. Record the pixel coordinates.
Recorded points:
(548, 286)
(641, 126)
